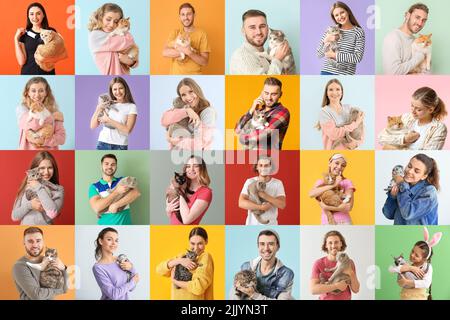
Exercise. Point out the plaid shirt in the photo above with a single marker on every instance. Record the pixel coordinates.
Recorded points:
(278, 121)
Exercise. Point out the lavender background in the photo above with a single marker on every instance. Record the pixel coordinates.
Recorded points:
(87, 90)
(314, 20)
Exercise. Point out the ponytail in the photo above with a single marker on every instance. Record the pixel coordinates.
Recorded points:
(432, 170)
(429, 98)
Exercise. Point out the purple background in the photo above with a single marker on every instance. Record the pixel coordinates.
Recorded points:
(87, 90)
(314, 20)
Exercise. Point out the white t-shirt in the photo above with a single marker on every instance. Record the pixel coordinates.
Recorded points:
(275, 189)
(422, 131)
(113, 136)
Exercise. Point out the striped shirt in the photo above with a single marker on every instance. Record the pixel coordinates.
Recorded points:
(351, 51)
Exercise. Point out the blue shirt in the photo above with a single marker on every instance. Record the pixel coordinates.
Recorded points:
(413, 205)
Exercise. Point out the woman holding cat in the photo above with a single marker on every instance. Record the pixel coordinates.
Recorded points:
(106, 47)
(201, 286)
(119, 122)
(351, 42)
(35, 134)
(116, 280)
(413, 200)
(341, 213)
(423, 126)
(26, 40)
(201, 115)
(335, 120)
(197, 191)
(40, 210)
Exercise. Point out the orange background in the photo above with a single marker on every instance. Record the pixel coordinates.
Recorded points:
(241, 91)
(12, 248)
(15, 17)
(164, 18)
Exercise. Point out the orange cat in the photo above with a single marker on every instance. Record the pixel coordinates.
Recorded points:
(123, 26)
(182, 40)
(395, 126)
(423, 44)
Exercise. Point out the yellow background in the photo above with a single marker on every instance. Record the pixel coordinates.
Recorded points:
(360, 170)
(168, 241)
(164, 18)
(241, 91)
(12, 249)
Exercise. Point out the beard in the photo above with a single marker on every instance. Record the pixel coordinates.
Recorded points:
(34, 255)
(106, 173)
(190, 24)
(253, 43)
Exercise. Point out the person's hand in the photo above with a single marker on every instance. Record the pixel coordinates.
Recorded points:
(105, 119)
(262, 194)
(341, 285)
(121, 189)
(402, 282)
(58, 116)
(172, 206)
(344, 207)
(113, 208)
(126, 265)
(186, 50)
(36, 205)
(337, 181)
(330, 55)
(172, 141)
(38, 57)
(282, 51)
(360, 118)
(58, 264)
(394, 191)
(36, 141)
(19, 33)
(398, 179)
(411, 137)
(417, 272)
(126, 60)
(187, 263)
(193, 116)
(257, 102)
(135, 278)
(265, 206)
(248, 291)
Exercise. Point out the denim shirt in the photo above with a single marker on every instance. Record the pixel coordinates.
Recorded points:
(413, 205)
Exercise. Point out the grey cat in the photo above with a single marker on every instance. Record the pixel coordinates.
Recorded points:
(109, 104)
(333, 46)
(181, 272)
(34, 174)
(396, 171)
(130, 182)
(181, 128)
(399, 261)
(258, 122)
(253, 189)
(343, 263)
(123, 258)
(355, 134)
(50, 277)
(276, 38)
(245, 279)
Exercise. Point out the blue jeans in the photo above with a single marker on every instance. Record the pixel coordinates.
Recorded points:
(108, 146)
(326, 73)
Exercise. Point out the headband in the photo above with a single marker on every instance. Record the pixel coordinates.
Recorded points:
(337, 156)
(433, 242)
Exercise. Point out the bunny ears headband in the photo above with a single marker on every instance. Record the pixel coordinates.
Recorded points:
(434, 241)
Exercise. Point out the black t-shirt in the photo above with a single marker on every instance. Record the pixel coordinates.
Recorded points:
(30, 66)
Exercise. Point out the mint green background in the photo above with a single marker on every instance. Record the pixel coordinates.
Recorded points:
(129, 163)
(394, 240)
(391, 14)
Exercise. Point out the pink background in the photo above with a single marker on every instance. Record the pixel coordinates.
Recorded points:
(393, 98)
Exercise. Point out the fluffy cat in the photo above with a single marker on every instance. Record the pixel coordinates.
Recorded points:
(182, 40)
(253, 189)
(123, 26)
(334, 197)
(396, 171)
(422, 44)
(123, 258)
(245, 279)
(355, 134)
(343, 263)
(181, 128)
(53, 49)
(333, 46)
(395, 126)
(399, 261)
(177, 189)
(258, 122)
(42, 127)
(276, 38)
(181, 272)
(130, 182)
(50, 277)
(109, 104)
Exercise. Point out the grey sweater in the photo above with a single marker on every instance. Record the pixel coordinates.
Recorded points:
(23, 212)
(27, 282)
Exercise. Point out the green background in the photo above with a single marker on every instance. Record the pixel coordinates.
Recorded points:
(391, 16)
(88, 171)
(394, 240)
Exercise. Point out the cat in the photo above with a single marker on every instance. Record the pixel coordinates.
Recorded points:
(334, 197)
(177, 188)
(275, 39)
(259, 121)
(123, 26)
(50, 276)
(252, 190)
(338, 275)
(396, 171)
(181, 128)
(422, 44)
(355, 134)
(182, 40)
(182, 273)
(245, 279)
(333, 46)
(131, 183)
(53, 48)
(123, 258)
(395, 127)
(43, 128)
(399, 261)
(109, 104)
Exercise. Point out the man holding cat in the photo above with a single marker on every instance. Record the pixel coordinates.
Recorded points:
(27, 278)
(398, 57)
(191, 58)
(276, 115)
(249, 58)
(103, 195)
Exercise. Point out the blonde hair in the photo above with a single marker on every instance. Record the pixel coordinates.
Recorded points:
(429, 98)
(95, 20)
(326, 100)
(49, 101)
(203, 178)
(202, 102)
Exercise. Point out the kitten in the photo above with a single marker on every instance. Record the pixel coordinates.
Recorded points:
(109, 104)
(343, 264)
(276, 38)
(177, 189)
(253, 189)
(123, 258)
(245, 279)
(395, 126)
(123, 26)
(182, 40)
(399, 261)
(333, 46)
(355, 134)
(50, 277)
(422, 44)
(181, 272)
(53, 49)
(396, 171)
(334, 197)
(181, 128)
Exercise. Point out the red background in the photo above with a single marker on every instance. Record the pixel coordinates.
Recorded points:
(237, 174)
(15, 163)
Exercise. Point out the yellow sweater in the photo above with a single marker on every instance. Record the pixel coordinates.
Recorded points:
(201, 285)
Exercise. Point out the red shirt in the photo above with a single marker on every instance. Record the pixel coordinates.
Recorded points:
(202, 193)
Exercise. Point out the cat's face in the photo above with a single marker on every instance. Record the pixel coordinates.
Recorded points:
(130, 182)
(47, 35)
(342, 257)
(180, 178)
(124, 24)
(245, 279)
(34, 174)
(399, 260)
(122, 258)
(36, 107)
(178, 103)
(276, 37)
(397, 171)
(334, 30)
(191, 255)
(424, 40)
(51, 254)
(395, 123)
(259, 116)
(183, 40)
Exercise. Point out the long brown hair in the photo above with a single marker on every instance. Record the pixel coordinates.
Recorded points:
(202, 102)
(351, 17)
(432, 170)
(49, 101)
(429, 98)
(326, 100)
(98, 246)
(203, 179)
(128, 96)
(41, 155)
(95, 20)
(330, 234)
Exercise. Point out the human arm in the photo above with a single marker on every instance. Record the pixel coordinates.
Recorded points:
(100, 42)
(19, 47)
(198, 207)
(51, 204)
(317, 288)
(284, 286)
(201, 58)
(391, 205)
(320, 51)
(94, 119)
(247, 62)
(393, 50)
(334, 133)
(165, 267)
(129, 198)
(203, 131)
(22, 207)
(320, 188)
(247, 204)
(437, 140)
(99, 204)
(59, 135)
(107, 286)
(354, 282)
(202, 276)
(357, 55)
(169, 52)
(424, 278)
(278, 202)
(126, 128)
(413, 207)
